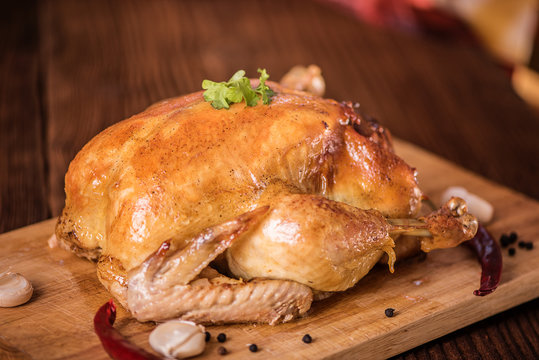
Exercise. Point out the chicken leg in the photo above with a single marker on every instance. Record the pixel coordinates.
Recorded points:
(289, 255)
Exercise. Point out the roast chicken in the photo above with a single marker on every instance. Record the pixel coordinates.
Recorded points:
(247, 214)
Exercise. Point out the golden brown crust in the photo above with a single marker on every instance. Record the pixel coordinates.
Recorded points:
(182, 166)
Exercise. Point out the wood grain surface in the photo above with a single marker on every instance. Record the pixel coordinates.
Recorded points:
(69, 68)
(431, 296)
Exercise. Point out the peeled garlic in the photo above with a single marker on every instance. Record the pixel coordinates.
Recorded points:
(178, 339)
(14, 289)
(477, 206)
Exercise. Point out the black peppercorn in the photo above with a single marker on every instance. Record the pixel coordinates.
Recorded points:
(253, 348)
(307, 339)
(221, 350)
(513, 237)
(512, 251)
(208, 336)
(504, 240)
(389, 312)
(221, 338)
(529, 246)
(522, 244)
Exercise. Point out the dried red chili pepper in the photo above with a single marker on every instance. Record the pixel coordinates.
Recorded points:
(117, 346)
(489, 255)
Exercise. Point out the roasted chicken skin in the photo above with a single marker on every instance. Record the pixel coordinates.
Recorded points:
(199, 184)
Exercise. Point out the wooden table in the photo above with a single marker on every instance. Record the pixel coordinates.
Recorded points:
(68, 69)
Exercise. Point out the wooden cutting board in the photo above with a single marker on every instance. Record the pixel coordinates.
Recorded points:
(432, 297)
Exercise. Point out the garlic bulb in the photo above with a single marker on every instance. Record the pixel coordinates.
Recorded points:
(178, 339)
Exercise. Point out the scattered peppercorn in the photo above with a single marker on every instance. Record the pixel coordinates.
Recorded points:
(513, 237)
(389, 312)
(504, 240)
(307, 339)
(529, 246)
(512, 252)
(208, 336)
(253, 348)
(221, 350)
(221, 338)
(522, 244)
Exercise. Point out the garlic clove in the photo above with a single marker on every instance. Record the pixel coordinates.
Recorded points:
(178, 339)
(307, 79)
(14, 289)
(53, 241)
(477, 206)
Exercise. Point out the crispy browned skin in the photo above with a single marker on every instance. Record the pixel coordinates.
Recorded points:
(181, 168)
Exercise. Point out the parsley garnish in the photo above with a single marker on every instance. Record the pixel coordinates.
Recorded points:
(238, 88)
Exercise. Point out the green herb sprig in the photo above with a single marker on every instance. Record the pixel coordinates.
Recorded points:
(237, 89)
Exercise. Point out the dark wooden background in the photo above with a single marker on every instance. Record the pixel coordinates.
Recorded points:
(68, 69)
